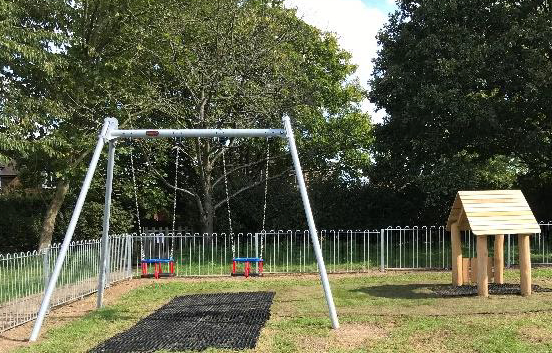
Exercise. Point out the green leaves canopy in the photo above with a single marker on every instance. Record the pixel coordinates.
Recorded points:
(465, 84)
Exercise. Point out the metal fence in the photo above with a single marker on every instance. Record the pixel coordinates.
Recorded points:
(23, 276)
(283, 251)
(290, 251)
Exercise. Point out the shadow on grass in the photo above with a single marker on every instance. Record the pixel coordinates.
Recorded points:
(402, 291)
(110, 314)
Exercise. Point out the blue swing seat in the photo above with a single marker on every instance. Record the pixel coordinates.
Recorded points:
(158, 269)
(156, 261)
(248, 259)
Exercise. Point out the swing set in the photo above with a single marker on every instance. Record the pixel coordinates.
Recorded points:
(158, 261)
(110, 132)
(258, 259)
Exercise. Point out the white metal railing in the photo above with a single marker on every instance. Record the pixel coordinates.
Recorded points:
(289, 251)
(23, 276)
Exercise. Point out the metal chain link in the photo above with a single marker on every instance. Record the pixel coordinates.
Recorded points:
(174, 199)
(228, 205)
(263, 231)
(142, 254)
(266, 183)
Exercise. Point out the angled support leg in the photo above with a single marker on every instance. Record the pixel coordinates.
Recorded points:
(312, 227)
(105, 233)
(104, 135)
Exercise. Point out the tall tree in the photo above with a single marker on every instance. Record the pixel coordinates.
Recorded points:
(61, 70)
(187, 64)
(465, 86)
(237, 64)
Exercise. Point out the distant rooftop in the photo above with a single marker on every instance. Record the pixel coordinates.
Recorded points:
(7, 170)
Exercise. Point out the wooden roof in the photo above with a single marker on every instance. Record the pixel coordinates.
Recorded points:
(493, 212)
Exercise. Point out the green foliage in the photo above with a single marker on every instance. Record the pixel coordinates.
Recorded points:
(465, 86)
(180, 64)
(21, 220)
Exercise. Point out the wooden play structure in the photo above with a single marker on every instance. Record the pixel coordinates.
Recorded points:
(486, 213)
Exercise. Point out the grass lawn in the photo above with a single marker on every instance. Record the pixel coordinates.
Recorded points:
(395, 312)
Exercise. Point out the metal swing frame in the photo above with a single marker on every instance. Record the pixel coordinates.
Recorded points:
(110, 132)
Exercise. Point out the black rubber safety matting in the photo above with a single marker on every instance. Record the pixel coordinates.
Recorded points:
(494, 288)
(197, 322)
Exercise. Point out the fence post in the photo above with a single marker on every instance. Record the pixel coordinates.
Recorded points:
(129, 255)
(108, 262)
(382, 251)
(509, 255)
(46, 266)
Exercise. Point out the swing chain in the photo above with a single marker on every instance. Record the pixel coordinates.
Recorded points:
(228, 204)
(174, 198)
(263, 231)
(266, 183)
(142, 254)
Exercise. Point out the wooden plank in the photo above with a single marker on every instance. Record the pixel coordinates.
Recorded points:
(473, 269)
(486, 197)
(485, 213)
(505, 217)
(492, 199)
(482, 194)
(499, 258)
(512, 225)
(510, 220)
(501, 191)
(462, 217)
(490, 268)
(482, 207)
(456, 255)
(507, 229)
(504, 226)
(498, 230)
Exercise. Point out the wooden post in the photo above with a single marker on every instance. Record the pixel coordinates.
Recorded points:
(524, 264)
(473, 265)
(499, 259)
(456, 254)
(482, 278)
(465, 271)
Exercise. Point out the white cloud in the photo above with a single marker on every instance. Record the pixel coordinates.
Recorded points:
(355, 25)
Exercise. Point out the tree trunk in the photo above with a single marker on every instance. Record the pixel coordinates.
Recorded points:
(208, 218)
(51, 214)
(208, 206)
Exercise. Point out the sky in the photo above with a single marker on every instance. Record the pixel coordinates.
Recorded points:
(356, 23)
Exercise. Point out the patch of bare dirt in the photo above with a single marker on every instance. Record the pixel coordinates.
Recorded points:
(433, 341)
(18, 336)
(535, 334)
(348, 336)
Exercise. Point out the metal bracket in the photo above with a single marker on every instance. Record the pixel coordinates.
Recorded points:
(112, 125)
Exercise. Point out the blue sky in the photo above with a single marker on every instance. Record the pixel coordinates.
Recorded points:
(383, 5)
(356, 23)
